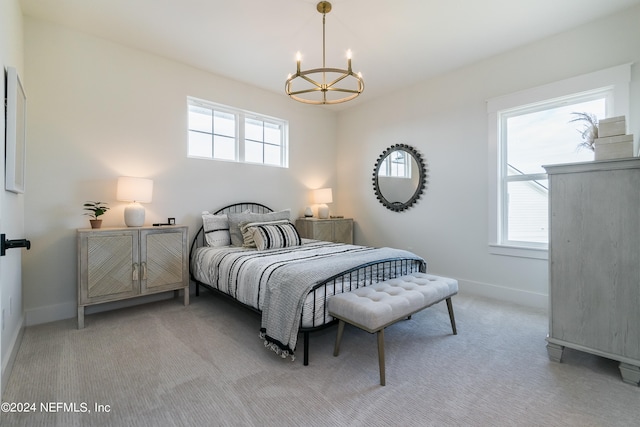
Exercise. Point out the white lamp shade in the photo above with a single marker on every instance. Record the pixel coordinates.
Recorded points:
(322, 196)
(132, 189)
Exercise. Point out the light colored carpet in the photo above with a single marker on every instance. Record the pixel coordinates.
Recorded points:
(165, 364)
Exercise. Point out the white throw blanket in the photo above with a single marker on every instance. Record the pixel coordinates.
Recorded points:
(288, 286)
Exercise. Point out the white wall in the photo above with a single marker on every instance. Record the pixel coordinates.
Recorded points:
(11, 204)
(98, 110)
(445, 118)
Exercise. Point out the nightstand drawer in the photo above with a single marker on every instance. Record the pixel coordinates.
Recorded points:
(339, 230)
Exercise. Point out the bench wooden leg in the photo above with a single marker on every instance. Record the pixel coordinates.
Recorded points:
(336, 349)
(381, 355)
(451, 316)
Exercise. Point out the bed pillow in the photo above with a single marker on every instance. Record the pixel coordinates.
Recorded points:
(216, 229)
(235, 219)
(276, 236)
(247, 229)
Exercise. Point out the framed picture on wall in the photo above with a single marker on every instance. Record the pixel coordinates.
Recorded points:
(16, 111)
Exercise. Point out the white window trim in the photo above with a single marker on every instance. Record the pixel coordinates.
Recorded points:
(617, 78)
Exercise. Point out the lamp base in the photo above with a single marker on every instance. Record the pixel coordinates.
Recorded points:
(134, 215)
(323, 211)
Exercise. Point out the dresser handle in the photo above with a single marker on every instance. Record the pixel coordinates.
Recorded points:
(144, 271)
(135, 272)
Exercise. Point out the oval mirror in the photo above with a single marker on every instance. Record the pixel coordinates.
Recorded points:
(399, 177)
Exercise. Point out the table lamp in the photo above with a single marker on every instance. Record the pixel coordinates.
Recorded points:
(136, 191)
(322, 196)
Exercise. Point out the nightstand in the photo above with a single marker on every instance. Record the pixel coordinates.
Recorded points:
(121, 263)
(339, 230)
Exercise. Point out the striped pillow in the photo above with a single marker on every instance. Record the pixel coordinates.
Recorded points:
(247, 229)
(275, 236)
(216, 229)
(247, 216)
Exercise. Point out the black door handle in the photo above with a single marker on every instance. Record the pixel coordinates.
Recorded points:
(10, 244)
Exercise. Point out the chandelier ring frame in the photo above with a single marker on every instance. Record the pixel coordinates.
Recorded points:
(322, 86)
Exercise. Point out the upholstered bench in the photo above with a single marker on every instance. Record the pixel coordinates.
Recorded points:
(373, 308)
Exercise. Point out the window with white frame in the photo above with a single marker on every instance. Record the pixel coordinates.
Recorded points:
(534, 128)
(220, 132)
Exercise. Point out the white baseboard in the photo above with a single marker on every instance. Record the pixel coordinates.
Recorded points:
(516, 296)
(50, 313)
(68, 310)
(7, 365)
(501, 293)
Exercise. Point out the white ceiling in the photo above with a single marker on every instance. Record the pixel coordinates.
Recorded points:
(395, 43)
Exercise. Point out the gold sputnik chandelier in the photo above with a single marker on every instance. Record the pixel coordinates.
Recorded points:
(320, 85)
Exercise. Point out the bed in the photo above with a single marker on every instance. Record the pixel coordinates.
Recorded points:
(285, 278)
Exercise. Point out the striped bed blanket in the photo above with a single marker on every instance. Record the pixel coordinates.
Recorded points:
(278, 281)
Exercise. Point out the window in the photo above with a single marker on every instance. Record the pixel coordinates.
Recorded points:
(529, 138)
(534, 128)
(224, 133)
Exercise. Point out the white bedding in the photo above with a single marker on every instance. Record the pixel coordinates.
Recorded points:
(243, 272)
(236, 271)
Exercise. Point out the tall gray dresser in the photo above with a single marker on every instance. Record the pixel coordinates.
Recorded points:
(594, 261)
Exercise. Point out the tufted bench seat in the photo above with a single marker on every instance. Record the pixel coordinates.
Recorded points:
(373, 308)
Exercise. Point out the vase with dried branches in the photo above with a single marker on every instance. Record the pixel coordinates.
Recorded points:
(589, 131)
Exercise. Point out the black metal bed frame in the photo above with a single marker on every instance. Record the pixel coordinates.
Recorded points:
(351, 279)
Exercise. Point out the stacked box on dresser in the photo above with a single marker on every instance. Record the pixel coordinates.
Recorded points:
(612, 141)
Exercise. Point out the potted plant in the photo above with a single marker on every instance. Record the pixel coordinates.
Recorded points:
(589, 132)
(95, 210)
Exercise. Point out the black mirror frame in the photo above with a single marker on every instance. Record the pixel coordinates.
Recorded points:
(422, 179)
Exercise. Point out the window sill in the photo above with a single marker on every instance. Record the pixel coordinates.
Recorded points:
(519, 251)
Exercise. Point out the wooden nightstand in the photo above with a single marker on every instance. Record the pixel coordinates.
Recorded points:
(121, 263)
(339, 230)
